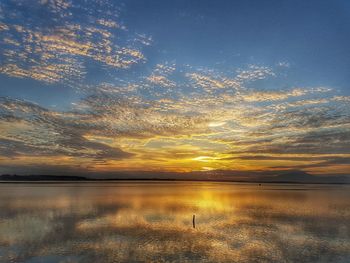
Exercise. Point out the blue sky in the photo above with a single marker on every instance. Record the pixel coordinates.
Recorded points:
(312, 36)
(211, 81)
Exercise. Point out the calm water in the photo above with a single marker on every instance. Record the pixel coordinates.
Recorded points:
(152, 222)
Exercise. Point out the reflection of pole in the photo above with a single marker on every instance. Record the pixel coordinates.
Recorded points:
(194, 221)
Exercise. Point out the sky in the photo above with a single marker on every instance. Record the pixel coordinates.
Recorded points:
(100, 87)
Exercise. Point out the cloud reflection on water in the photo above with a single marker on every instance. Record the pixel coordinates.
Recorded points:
(126, 222)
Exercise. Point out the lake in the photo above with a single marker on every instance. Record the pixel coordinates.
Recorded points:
(153, 222)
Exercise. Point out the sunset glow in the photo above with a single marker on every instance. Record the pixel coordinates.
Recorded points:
(101, 88)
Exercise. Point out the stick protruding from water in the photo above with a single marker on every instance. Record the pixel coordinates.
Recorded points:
(194, 221)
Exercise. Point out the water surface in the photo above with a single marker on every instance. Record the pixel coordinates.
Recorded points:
(152, 222)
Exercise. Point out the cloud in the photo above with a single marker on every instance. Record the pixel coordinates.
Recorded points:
(114, 122)
(161, 81)
(114, 116)
(341, 98)
(258, 96)
(168, 114)
(28, 129)
(254, 72)
(328, 141)
(58, 51)
(210, 81)
(311, 117)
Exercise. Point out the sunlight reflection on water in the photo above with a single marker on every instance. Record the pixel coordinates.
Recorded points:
(152, 222)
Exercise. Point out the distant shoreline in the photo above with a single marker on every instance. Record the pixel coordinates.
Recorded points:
(8, 178)
(158, 180)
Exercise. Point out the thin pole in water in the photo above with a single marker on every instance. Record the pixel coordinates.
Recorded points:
(194, 221)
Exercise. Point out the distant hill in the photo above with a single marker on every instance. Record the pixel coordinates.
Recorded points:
(7, 177)
(218, 175)
(303, 177)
